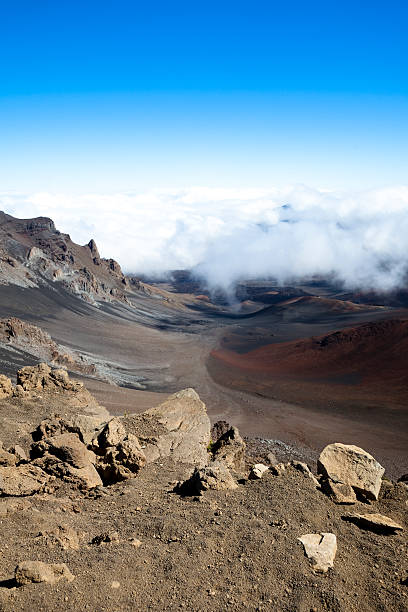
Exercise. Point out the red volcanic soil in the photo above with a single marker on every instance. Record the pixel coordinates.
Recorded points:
(368, 362)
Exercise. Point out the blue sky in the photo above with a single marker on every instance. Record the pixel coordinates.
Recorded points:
(115, 95)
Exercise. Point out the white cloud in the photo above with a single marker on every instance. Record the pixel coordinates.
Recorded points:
(230, 234)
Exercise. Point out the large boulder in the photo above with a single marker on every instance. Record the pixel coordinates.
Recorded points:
(353, 466)
(178, 428)
(339, 492)
(24, 479)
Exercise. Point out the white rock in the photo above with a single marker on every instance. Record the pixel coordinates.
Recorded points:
(320, 548)
(351, 465)
(257, 471)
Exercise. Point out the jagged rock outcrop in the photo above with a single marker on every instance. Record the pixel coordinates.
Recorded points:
(218, 430)
(41, 381)
(351, 466)
(68, 448)
(122, 461)
(7, 458)
(33, 378)
(119, 453)
(33, 251)
(230, 449)
(85, 426)
(32, 339)
(84, 478)
(111, 434)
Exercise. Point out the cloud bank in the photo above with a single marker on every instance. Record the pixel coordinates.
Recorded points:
(227, 235)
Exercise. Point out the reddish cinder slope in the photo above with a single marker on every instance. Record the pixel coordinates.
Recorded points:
(372, 357)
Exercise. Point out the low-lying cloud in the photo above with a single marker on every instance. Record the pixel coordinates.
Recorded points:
(227, 235)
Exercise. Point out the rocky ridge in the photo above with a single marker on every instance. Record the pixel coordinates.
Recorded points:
(18, 334)
(33, 252)
(163, 487)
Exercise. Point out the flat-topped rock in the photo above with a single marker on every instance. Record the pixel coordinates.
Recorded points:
(374, 522)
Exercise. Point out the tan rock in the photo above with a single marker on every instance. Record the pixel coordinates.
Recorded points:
(41, 377)
(184, 429)
(19, 453)
(214, 476)
(278, 469)
(7, 458)
(6, 387)
(64, 536)
(375, 522)
(353, 466)
(230, 449)
(112, 433)
(271, 459)
(68, 448)
(84, 478)
(85, 426)
(36, 571)
(339, 492)
(320, 549)
(33, 377)
(9, 505)
(304, 468)
(18, 391)
(257, 471)
(24, 479)
(122, 461)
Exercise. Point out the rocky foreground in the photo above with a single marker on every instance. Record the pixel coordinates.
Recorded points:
(159, 511)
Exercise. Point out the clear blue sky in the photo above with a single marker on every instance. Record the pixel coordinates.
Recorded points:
(123, 95)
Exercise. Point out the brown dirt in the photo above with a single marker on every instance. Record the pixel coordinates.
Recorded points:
(233, 550)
